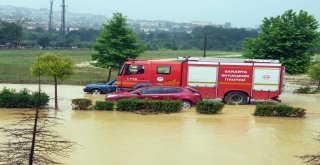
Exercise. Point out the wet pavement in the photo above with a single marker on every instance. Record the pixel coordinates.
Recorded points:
(188, 138)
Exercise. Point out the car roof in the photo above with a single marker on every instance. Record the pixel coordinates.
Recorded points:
(158, 86)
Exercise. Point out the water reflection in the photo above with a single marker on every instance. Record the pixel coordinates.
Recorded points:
(232, 137)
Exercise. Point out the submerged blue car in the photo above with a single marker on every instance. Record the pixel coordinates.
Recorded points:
(101, 88)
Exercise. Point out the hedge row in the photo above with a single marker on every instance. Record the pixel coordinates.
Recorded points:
(10, 98)
(167, 106)
(104, 105)
(86, 104)
(279, 110)
(209, 107)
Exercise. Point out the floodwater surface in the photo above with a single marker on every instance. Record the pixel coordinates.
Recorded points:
(233, 137)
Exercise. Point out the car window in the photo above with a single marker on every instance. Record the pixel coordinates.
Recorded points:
(151, 91)
(172, 90)
(193, 90)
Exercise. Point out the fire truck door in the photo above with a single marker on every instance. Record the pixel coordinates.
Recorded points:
(134, 74)
(204, 79)
(266, 79)
(166, 75)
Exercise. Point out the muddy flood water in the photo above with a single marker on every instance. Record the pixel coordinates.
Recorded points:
(185, 138)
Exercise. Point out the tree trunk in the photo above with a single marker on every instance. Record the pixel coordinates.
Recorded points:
(319, 85)
(109, 75)
(55, 93)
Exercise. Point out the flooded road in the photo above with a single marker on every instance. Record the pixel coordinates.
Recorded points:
(188, 138)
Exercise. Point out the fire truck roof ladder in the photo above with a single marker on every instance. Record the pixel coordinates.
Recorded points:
(229, 60)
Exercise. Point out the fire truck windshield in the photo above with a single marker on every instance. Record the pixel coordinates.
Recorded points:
(121, 70)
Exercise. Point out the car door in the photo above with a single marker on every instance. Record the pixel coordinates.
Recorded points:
(171, 93)
(154, 93)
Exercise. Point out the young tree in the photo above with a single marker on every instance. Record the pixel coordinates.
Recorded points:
(314, 72)
(116, 44)
(56, 66)
(289, 38)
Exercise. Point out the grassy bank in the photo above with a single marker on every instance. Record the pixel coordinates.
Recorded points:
(14, 64)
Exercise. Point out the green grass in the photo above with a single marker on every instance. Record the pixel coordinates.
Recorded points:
(15, 64)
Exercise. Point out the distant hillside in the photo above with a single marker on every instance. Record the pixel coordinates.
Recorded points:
(40, 18)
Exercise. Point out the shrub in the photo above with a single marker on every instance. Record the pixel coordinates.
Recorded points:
(264, 110)
(299, 112)
(81, 104)
(209, 107)
(41, 100)
(104, 105)
(128, 105)
(167, 106)
(9, 98)
(306, 90)
(279, 110)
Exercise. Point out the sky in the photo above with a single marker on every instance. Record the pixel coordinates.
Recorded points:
(241, 13)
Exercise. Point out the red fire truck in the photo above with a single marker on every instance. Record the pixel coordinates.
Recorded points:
(236, 81)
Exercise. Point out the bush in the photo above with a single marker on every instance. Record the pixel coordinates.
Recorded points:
(264, 110)
(81, 104)
(306, 90)
(209, 107)
(41, 100)
(9, 98)
(299, 112)
(167, 106)
(104, 105)
(279, 110)
(128, 105)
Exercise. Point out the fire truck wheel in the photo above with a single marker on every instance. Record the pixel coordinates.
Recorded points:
(236, 98)
(186, 104)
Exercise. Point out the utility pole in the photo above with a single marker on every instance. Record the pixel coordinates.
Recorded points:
(50, 18)
(205, 45)
(63, 22)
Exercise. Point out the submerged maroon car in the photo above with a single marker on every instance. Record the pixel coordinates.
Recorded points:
(189, 96)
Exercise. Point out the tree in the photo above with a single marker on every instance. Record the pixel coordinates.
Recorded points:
(44, 41)
(288, 38)
(314, 72)
(56, 66)
(116, 43)
(313, 159)
(48, 145)
(11, 32)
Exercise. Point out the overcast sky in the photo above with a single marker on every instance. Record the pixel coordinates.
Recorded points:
(241, 13)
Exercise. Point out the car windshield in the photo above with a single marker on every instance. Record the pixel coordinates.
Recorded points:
(112, 82)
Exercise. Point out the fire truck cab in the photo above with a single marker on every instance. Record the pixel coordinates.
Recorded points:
(236, 81)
